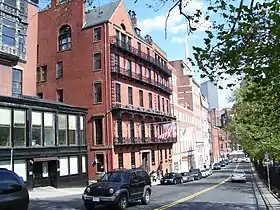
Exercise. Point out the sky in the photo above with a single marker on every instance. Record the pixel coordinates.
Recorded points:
(152, 21)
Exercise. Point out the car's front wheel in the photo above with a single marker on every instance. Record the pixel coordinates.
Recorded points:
(122, 203)
(146, 199)
(89, 206)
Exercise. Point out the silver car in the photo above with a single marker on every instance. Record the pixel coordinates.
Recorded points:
(238, 176)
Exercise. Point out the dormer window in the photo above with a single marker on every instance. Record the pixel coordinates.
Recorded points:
(65, 38)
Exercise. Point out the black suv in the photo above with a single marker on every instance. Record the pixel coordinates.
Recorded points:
(13, 193)
(119, 187)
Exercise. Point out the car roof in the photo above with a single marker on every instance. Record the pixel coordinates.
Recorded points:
(127, 170)
(238, 171)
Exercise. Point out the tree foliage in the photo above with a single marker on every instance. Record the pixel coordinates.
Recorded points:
(256, 119)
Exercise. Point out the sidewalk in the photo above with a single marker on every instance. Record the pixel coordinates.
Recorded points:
(270, 200)
(50, 192)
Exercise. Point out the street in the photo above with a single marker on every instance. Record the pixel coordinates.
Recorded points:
(209, 193)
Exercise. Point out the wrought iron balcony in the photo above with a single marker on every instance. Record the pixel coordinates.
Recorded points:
(142, 78)
(132, 108)
(114, 41)
(141, 141)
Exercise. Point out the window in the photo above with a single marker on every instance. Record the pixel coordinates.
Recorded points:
(140, 71)
(139, 47)
(19, 128)
(150, 100)
(100, 162)
(40, 95)
(49, 129)
(130, 96)
(64, 166)
(153, 156)
(17, 82)
(163, 108)
(132, 159)
(73, 165)
(8, 34)
(141, 101)
(97, 93)
(158, 99)
(82, 130)
(129, 67)
(148, 51)
(160, 155)
(118, 92)
(143, 131)
(12, 3)
(5, 127)
(117, 62)
(59, 95)
(65, 38)
(36, 129)
(72, 130)
(97, 61)
(149, 75)
(167, 106)
(132, 131)
(44, 73)
(84, 164)
(62, 129)
(38, 74)
(120, 160)
(21, 44)
(59, 69)
(97, 34)
(165, 154)
(98, 131)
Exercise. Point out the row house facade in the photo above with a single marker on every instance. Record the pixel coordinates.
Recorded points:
(215, 131)
(184, 148)
(39, 139)
(98, 59)
(205, 131)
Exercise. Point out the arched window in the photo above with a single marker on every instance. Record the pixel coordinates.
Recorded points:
(64, 39)
(123, 26)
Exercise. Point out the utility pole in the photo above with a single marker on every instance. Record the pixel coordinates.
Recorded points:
(267, 168)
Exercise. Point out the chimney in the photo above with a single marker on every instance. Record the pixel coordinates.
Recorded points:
(133, 17)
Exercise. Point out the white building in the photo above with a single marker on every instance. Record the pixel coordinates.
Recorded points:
(205, 130)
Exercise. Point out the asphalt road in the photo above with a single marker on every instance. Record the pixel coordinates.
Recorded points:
(210, 193)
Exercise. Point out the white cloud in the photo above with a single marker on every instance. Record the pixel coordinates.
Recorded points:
(178, 40)
(176, 23)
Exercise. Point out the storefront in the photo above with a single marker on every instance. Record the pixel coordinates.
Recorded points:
(43, 142)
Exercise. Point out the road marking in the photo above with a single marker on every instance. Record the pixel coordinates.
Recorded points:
(174, 203)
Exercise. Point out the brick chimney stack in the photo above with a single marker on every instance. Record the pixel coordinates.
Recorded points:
(133, 17)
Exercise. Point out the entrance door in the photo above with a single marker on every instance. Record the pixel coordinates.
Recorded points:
(52, 165)
(37, 174)
(145, 161)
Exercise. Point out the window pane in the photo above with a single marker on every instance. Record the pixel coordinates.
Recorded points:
(19, 128)
(73, 132)
(62, 129)
(82, 131)
(98, 131)
(5, 127)
(49, 129)
(9, 32)
(36, 129)
(8, 40)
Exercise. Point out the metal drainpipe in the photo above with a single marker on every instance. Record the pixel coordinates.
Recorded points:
(106, 84)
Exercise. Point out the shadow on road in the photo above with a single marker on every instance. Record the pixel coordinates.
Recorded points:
(213, 206)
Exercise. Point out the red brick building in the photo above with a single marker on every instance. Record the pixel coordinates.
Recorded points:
(98, 59)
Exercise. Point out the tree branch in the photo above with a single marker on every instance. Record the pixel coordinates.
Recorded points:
(168, 14)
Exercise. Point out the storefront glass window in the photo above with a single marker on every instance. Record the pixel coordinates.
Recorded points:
(5, 127)
(62, 129)
(73, 132)
(19, 128)
(49, 129)
(36, 129)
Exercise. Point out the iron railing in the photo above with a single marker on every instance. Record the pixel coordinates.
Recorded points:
(114, 41)
(142, 78)
(139, 140)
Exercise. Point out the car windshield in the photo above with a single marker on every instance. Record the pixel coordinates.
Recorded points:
(239, 172)
(170, 175)
(116, 176)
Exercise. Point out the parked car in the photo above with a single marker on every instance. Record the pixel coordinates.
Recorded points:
(119, 187)
(226, 161)
(216, 166)
(203, 173)
(13, 192)
(222, 163)
(172, 178)
(238, 175)
(196, 173)
(187, 177)
(208, 171)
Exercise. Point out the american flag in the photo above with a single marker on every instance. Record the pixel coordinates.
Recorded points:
(169, 131)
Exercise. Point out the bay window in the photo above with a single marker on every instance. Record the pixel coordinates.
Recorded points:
(36, 129)
(62, 129)
(82, 131)
(72, 130)
(5, 127)
(19, 128)
(49, 129)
